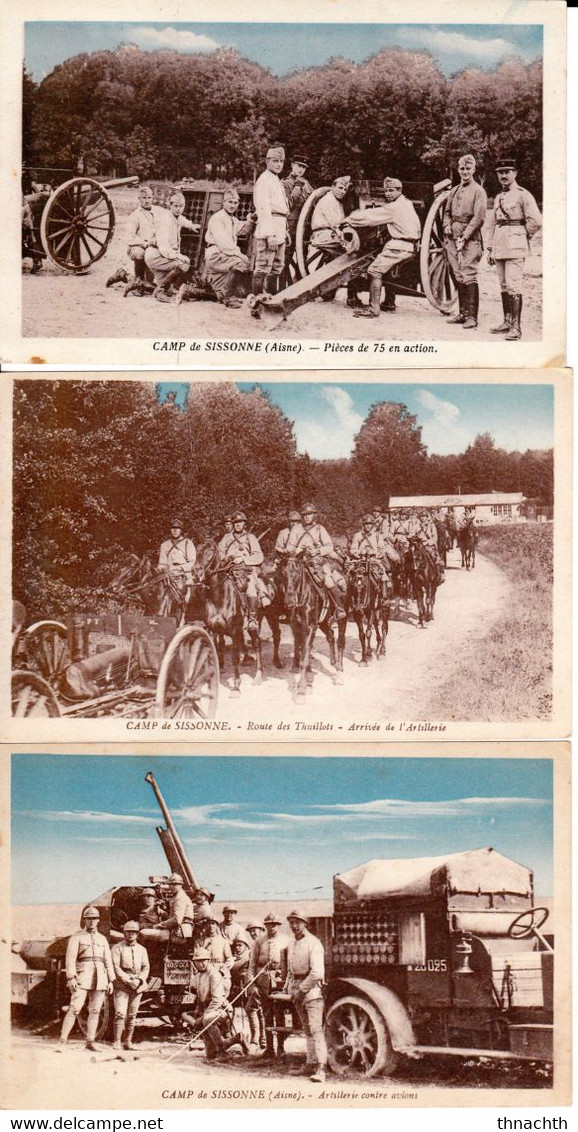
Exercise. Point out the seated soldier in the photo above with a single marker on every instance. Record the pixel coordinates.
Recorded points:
(163, 256)
(225, 263)
(178, 924)
(311, 539)
(426, 532)
(177, 556)
(149, 915)
(212, 1012)
(242, 548)
(367, 544)
(140, 234)
(404, 231)
(328, 216)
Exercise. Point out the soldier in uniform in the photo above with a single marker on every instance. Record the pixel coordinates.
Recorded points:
(243, 549)
(218, 947)
(131, 966)
(311, 538)
(224, 260)
(140, 234)
(149, 915)
(270, 203)
(269, 963)
(305, 978)
(177, 554)
(89, 974)
(404, 231)
(297, 189)
(287, 533)
(328, 216)
(369, 544)
(255, 929)
(230, 927)
(426, 531)
(211, 1006)
(464, 216)
(513, 222)
(181, 915)
(163, 256)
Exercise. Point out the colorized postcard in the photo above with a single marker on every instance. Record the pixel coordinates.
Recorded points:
(369, 192)
(250, 930)
(289, 559)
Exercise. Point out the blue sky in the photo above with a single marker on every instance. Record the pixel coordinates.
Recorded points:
(327, 416)
(282, 48)
(266, 828)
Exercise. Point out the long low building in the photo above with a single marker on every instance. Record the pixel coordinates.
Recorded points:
(491, 508)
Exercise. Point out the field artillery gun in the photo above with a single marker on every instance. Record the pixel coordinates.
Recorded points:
(74, 222)
(39, 978)
(110, 664)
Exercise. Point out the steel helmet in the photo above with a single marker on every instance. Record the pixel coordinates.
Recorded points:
(297, 914)
(272, 918)
(294, 516)
(131, 926)
(90, 913)
(176, 878)
(309, 509)
(201, 953)
(239, 517)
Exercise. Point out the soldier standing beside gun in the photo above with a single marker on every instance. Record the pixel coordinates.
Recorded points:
(270, 952)
(515, 219)
(89, 974)
(131, 966)
(305, 979)
(272, 210)
(464, 216)
(298, 190)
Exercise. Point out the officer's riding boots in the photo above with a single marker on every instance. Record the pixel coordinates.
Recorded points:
(128, 1043)
(460, 315)
(472, 302)
(118, 1029)
(336, 597)
(515, 330)
(506, 306)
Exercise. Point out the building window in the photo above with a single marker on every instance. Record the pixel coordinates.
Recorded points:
(501, 509)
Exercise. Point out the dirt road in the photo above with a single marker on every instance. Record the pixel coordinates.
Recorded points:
(57, 305)
(395, 688)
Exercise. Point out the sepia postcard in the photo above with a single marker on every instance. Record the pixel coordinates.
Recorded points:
(308, 186)
(287, 560)
(250, 930)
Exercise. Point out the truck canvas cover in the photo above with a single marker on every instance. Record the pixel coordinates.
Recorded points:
(478, 870)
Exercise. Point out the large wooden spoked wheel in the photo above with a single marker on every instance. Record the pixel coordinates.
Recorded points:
(358, 1041)
(77, 224)
(307, 257)
(434, 268)
(32, 696)
(188, 683)
(47, 651)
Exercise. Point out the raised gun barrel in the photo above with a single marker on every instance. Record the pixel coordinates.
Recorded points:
(171, 842)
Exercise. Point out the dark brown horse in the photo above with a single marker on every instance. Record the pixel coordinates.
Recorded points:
(368, 607)
(307, 609)
(467, 539)
(161, 593)
(444, 540)
(423, 579)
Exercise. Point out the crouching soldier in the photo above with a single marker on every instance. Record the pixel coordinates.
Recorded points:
(244, 550)
(368, 545)
(131, 967)
(312, 540)
(163, 256)
(212, 1012)
(225, 263)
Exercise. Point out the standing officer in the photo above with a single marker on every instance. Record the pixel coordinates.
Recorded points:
(464, 216)
(89, 974)
(269, 952)
(305, 978)
(131, 966)
(515, 219)
(298, 190)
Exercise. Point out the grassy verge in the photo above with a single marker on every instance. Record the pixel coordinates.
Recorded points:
(509, 674)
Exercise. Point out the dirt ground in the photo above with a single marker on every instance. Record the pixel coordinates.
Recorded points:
(58, 305)
(165, 1075)
(397, 687)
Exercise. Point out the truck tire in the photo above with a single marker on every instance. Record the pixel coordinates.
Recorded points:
(358, 1040)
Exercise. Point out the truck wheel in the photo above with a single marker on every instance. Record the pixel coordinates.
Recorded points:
(358, 1041)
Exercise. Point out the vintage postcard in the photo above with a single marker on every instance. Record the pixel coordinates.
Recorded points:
(288, 559)
(251, 930)
(370, 191)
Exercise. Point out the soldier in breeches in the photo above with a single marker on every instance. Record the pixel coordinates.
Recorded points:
(269, 952)
(515, 219)
(464, 216)
(177, 554)
(272, 208)
(211, 1006)
(225, 263)
(369, 544)
(163, 255)
(305, 979)
(404, 230)
(131, 965)
(310, 538)
(89, 974)
(243, 549)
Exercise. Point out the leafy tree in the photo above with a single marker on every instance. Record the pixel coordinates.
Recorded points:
(388, 454)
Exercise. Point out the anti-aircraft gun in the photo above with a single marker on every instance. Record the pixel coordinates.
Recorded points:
(38, 976)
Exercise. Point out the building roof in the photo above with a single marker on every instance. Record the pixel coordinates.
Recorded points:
(486, 499)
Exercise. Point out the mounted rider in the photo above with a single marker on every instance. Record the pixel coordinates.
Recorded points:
(243, 550)
(369, 545)
(426, 531)
(383, 520)
(177, 556)
(312, 540)
(285, 535)
(468, 517)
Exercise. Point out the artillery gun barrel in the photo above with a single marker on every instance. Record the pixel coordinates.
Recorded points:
(117, 181)
(188, 874)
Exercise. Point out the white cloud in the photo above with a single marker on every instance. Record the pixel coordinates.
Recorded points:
(173, 39)
(442, 429)
(442, 42)
(342, 404)
(454, 807)
(100, 817)
(331, 436)
(444, 412)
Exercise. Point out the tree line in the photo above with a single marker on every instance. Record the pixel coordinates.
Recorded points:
(164, 115)
(101, 467)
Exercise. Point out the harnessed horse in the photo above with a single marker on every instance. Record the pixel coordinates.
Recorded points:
(467, 539)
(307, 609)
(369, 608)
(444, 540)
(162, 594)
(423, 579)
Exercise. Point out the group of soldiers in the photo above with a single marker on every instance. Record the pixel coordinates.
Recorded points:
(256, 966)
(229, 273)
(382, 539)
